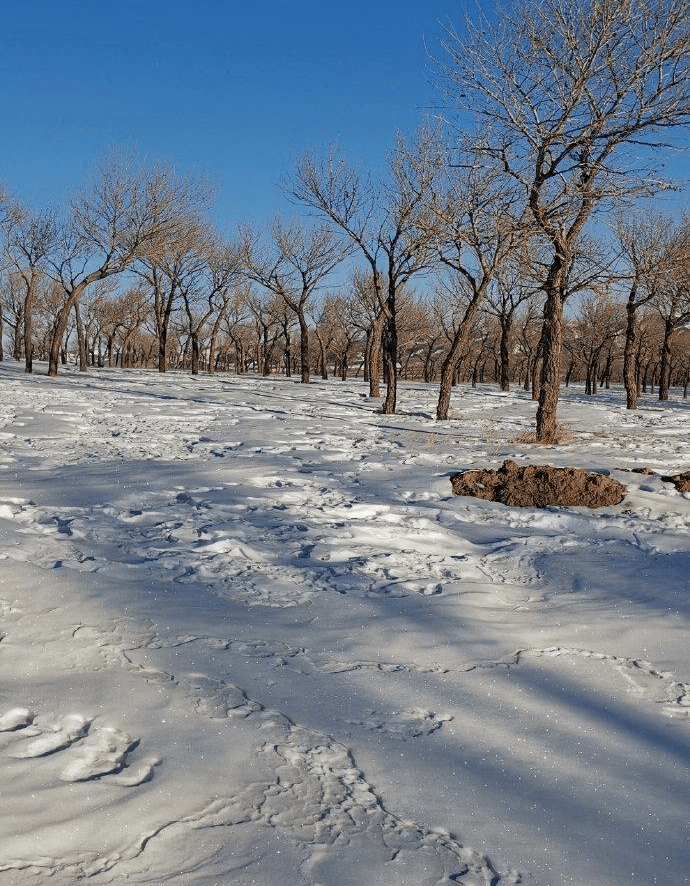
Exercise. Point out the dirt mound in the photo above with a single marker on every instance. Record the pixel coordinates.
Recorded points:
(680, 481)
(540, 486)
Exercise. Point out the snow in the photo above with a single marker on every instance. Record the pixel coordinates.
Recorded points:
(248, 636)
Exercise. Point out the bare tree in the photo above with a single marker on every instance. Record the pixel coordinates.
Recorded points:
(338, 330)
(173, 275)
(382, 220)
(13, 310)
(477, 227)
(645, 241)
(267, 330)
(514, 285)
(292, 266)
(29, 238)
(599, 321)
(562, 88)
(129, 213)
(224, 289)
(236, 329)
(672, 301)
(197, 309)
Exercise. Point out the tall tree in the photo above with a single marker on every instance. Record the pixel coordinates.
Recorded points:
(561, 89)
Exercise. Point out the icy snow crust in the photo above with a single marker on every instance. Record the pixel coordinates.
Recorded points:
(248, 636)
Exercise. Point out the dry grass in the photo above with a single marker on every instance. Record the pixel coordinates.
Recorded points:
(623, 442)
(564, 436)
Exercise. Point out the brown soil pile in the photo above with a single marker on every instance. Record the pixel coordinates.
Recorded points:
(540, 486)
(680, 481)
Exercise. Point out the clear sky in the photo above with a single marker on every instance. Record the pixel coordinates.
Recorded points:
(230, 88)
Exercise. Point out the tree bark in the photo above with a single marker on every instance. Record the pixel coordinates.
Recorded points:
(195, 353)
(390, 358)
(665, 368)
(61, 328)
(322, 351)
(504, 349)
(303, 347)
(81, 340)
(28, 327)
(374, 352)
(629, 352)
(550, 376)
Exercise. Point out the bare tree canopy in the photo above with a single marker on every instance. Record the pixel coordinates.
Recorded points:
(563, 84)
(387, 221)
(572, 99)
(129, 212)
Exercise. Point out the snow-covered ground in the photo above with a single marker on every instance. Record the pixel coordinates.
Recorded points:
(248, 636)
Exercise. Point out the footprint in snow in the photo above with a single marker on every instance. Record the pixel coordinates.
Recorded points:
(16, 718)
(104, 752)
(55, 737)
(95, 751)
(216, 699)
(403, 724)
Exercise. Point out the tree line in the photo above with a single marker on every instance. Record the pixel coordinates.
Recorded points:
(460, 261)
(251, 330)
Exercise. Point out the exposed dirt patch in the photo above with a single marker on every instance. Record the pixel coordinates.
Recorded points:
(540, 486)
(680, 481)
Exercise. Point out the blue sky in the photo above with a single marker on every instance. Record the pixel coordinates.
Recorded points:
(231, 89)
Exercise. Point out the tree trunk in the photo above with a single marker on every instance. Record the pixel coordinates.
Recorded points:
(212, 343)
(195, 353)
(266, 369)
(303, 347)
(56, 344)
(343, 365)
(665, 368)
(390, 357)
(629, 351)
(452, 360)
(17, 336)
(163, 347)
(504, 349)
(536, 367)
(374, 351)
(322, 352)
(550, 379)
(287, 357)
(28, 328)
